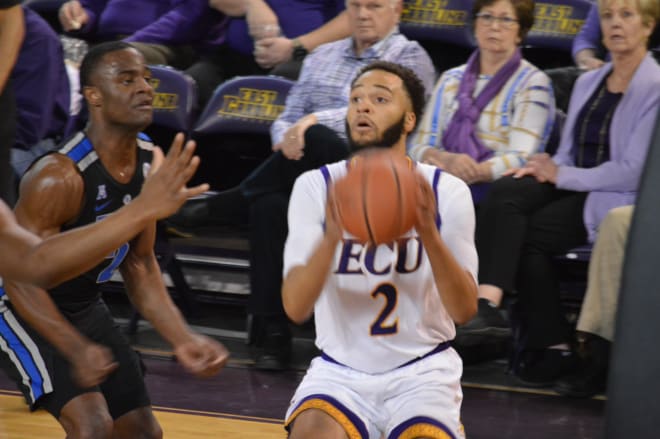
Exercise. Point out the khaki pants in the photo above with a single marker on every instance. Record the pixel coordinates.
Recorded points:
(598, 313)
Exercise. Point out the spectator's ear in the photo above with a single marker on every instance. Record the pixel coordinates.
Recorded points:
(92, 95)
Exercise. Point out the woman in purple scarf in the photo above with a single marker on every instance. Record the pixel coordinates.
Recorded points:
(489, 115)
(553, 204)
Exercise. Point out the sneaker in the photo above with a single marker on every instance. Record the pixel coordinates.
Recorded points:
(584, 383)
(193, 214)
(543, 367)
(275, 349)
(487, 326)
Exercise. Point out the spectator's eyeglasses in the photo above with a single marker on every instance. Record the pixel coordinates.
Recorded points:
(489, 20)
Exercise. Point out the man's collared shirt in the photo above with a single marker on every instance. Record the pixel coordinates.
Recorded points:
(325, 79)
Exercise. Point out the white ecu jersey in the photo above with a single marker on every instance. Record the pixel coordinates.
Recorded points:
(380, 307)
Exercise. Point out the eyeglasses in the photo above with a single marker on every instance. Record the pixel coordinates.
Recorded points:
(489, 20)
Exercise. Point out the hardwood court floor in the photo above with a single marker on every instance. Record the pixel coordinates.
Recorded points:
(16, 421)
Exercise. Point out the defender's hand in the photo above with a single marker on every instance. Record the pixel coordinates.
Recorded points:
(202, 356)
(91, 365)
(164, 191)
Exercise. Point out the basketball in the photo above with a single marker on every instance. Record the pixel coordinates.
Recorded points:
(376, 200)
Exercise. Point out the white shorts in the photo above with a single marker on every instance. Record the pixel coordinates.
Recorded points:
(422, 399)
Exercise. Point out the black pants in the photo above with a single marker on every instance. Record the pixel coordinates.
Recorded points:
(521, 225)
(7, 137)
(268, 189)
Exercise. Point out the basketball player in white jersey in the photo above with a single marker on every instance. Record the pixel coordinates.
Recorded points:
(384, 314)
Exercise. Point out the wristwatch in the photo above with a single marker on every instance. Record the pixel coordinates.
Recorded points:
(299, 51)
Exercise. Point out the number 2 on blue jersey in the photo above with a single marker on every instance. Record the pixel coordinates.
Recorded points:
(117, 258)
(379, 327)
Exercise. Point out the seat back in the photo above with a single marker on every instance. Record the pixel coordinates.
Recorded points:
(443, 27)
(233, 131)
(174, 104)
(447, 21)
(556, 23)
(247, 104)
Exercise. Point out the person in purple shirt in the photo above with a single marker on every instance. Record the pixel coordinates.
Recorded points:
(41, 89)
(268, 37)
(42, 99)
(12, 29)
(165, 31)
(556, 203)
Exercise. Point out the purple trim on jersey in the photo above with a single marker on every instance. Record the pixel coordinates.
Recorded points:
(436, 179)
(439, 348)
(352, 417)
(394, 434)
(326, 176)
(328, 180)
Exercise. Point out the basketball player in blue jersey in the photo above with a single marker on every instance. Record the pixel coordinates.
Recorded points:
(95, 173)
(47, 262)
(384, 314)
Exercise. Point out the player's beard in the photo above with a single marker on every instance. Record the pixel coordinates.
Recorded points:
(390, 137)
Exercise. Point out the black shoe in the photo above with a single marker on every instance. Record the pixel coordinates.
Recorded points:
(584, 383)
(275, 348)
(591, 377)
(193, 214)
(487, 326)
(543, 367)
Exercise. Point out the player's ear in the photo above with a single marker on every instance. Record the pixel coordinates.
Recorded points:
(92, 95)
(409, 121)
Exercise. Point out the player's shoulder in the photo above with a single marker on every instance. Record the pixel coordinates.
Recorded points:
(444, 182)
(325, 175)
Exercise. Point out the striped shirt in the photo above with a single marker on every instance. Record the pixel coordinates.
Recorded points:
(325, 79)
(516, 122)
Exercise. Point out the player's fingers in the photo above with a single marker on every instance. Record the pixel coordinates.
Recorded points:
(187, 154)
(188, 170)
(157, 160)
(196, 190)
(175, 146)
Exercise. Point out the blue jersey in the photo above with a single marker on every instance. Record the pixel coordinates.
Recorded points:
(103, 195)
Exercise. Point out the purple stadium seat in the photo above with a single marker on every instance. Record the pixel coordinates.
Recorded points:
(556, 23)
(247, 104)
(175, 98)
(447, 21)
(232, 132)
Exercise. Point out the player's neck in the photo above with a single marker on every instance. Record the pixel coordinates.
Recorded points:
(400, 146)
(115, 148)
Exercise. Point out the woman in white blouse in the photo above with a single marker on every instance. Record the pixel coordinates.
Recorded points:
(488, 115)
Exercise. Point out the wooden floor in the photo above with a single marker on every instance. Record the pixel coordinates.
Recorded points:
(16, 422)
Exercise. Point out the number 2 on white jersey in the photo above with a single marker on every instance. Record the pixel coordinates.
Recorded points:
(379, 327)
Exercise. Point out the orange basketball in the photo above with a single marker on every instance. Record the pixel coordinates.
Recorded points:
(376, 201)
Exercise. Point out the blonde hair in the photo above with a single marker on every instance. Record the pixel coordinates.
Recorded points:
(648, 9)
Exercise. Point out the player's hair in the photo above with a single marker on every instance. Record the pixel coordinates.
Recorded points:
(524, 13)
(94, 57)
(411, 83)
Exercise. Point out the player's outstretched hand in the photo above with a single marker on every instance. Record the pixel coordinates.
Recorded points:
(164, 191)
(92, 364)
(201, 356)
